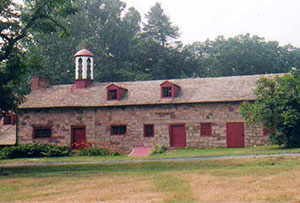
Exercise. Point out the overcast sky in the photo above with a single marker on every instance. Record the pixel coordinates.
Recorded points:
(201, 19)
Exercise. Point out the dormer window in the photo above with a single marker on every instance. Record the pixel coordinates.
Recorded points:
(115, 92)
(112, 94)
(169, 90)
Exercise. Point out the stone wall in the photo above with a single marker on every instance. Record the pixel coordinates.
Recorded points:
(7, 134)
(99, 120)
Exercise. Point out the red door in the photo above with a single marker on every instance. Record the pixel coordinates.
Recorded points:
(78, 137)
(235, 135)
(177, 135)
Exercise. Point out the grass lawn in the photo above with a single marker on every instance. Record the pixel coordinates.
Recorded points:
(245, 180)
(180, 153)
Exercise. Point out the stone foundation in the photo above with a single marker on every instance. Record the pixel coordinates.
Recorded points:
(99, 120)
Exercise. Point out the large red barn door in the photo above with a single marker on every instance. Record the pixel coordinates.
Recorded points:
(235, 135)
(177, 135)
(78, 137)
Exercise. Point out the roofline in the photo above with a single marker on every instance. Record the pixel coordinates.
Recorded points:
(146, 104)
(174, 80)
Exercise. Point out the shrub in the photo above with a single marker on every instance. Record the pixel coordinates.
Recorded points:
(94, 152)
(158, 150)
(33, 151)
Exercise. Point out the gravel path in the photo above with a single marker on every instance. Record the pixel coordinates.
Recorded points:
(146, 160)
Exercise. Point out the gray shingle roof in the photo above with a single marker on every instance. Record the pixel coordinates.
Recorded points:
(197, 90)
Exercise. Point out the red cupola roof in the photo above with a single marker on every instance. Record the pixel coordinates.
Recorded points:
(84, 52)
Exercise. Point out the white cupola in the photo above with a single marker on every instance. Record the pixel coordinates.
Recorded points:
(84, 68)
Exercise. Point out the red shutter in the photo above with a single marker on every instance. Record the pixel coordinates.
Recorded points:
(205, 129)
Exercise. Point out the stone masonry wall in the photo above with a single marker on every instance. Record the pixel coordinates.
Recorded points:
(99, 120)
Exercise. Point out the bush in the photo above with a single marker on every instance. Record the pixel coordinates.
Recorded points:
(94, 152)
(33, 151)
(159, 150)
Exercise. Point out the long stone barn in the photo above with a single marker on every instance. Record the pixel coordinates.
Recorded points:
(183, 113)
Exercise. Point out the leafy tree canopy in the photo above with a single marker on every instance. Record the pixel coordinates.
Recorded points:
(277, 108)
(112, 33)
(17, 22)
(244, 55)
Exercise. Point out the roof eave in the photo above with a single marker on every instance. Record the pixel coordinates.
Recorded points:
(144, 104)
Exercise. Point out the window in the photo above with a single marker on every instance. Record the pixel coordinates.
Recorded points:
(205, 129)
(42, 132)
(8, 120)
(112, 94)
(115, 92)
(148, 130)
(118, 130)
(167, 91)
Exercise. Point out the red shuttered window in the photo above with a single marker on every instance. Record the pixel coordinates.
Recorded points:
(205, 129)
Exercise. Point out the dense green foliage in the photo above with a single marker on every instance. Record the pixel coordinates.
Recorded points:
(95, 152)
(33, 150)
(127, 49)
(277, 108)
(244, 55)
(17, 24)
(122, 51)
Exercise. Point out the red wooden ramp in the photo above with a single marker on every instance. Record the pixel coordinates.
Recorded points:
(141, 152)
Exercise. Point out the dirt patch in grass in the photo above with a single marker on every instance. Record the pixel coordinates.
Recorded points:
(84, 189)
(283, 186)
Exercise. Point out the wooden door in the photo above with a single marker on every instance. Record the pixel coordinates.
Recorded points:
(78, 137)
(235, 135)
(177, 135)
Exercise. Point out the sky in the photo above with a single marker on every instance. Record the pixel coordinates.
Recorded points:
(199, 20)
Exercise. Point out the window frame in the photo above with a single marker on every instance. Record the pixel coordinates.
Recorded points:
(12, 118)
(170, 91)
(174, 90)
(204, 127)
(119, 134)
(109, 95)
(5, 120)
(34, 135)
(120, 92)
(145, 130)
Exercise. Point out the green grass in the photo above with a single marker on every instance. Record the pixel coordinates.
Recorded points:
(167, 181)
(271, 149)
(180, 153)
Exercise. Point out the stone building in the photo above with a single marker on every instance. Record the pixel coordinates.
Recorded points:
(8, 130)
(191, 113)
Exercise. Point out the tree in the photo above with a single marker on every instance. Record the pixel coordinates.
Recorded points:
(277, 108)
(159, 62)
(108, 30)
(244, 55)
(158, 26)
(17, 22)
